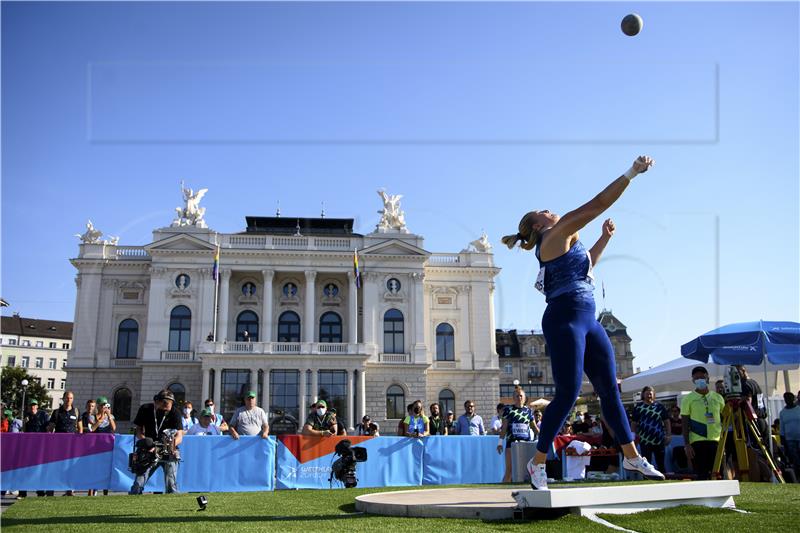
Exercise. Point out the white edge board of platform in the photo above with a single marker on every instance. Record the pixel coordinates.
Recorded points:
(686, 491)
(624, 508)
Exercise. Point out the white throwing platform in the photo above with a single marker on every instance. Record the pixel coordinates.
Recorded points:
(631, 498)
(487, 504)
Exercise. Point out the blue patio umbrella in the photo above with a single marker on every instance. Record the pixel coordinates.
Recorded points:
(748, 343)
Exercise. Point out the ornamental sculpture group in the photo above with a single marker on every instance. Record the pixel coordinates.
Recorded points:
(191, 214)
(392, 218)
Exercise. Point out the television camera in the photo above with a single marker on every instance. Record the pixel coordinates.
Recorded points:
(148, 452)
(344, 468)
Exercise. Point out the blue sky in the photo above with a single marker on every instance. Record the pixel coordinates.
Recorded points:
(475, 112)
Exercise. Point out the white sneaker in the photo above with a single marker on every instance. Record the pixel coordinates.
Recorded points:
(640, 464)
(538, 475)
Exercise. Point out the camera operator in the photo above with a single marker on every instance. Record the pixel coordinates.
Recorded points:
(319, 422)
(152, 424)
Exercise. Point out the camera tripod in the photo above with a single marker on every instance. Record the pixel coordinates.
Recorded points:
(740, 415)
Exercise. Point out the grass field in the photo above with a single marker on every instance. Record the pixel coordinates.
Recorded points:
(771, 508)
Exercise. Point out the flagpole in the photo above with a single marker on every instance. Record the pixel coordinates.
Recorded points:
(216, 294)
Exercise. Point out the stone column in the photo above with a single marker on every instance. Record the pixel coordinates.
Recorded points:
(222, 319)
(309, 320)
(370, 302)
(206, 384)
(361, 387)
(349, 400)
(314, 392)
(265, 333)
(265, 392)
(302, 402)
(352, 299)
(218, 389)
(418, 354)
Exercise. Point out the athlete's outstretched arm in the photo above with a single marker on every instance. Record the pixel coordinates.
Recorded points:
(577, 219)
(600, 245)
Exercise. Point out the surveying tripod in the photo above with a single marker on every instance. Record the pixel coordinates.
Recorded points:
(739, 414)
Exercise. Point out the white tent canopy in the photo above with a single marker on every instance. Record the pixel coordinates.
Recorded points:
(676, 375)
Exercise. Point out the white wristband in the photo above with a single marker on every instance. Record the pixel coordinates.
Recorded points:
(500, 441)
(630, 174)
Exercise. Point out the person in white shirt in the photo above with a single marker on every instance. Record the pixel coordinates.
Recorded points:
(204, 426)
(497, 420)
(186, 416)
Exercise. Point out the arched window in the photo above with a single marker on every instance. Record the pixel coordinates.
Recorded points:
(447, 401)
(395, 402)
(121, 405)
(247, 322)
(445, 342)
(180, 329)
(179, 391)
(127, 339)
(330, 328)
(393, 332)
(289, 327)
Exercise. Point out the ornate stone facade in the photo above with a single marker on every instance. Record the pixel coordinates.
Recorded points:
(286, 318)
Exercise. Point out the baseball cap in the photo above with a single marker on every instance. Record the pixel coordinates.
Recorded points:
(322, 403)
(252, 394)
(450, 412)
(206, 412)
(102, 400)
(8, 412)
(34, 401)
(366, 417)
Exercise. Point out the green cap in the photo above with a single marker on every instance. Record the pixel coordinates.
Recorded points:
(34, 401)
(8, 412)
(252, 394)
(206, 412)
(322, 403)
(102, 400)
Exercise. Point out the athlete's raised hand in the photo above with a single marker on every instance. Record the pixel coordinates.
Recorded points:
(608, 228)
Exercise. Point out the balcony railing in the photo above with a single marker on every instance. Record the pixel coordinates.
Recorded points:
(291, 348)
(177, 356)
(123, 363)
(395, 358)
(132, 252)
(294, 242)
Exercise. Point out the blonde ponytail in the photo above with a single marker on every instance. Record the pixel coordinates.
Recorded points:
(526, 234)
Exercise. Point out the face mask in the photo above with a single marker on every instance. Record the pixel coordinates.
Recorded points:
(187, 412)
(700, 383)
(211, 408)
(321, 412)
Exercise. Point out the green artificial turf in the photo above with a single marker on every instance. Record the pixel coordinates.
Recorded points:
(772, 508)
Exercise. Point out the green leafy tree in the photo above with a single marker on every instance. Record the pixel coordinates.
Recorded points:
(11, 387)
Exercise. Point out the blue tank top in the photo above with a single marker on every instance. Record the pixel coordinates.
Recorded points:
(569, 273)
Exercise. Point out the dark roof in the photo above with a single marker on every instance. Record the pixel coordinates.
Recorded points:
(33, 327)
(308, 226)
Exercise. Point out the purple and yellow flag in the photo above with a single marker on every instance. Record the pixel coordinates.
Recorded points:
(215, 270)
(356, 272)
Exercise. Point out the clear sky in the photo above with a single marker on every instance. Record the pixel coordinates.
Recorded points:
(475, 112)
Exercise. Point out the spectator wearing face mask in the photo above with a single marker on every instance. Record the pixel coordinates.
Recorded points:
(216, 418)
(186, 416)
(319, 422)
(701, 412)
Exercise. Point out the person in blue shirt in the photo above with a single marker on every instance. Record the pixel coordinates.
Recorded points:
(576, 341)
(469, 423)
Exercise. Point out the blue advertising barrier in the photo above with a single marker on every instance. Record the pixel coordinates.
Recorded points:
(60, 461)
(461, 459)
(208, 464)
(305, 462)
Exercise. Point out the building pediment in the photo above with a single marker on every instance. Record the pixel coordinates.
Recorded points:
(394, 247)
(180, 242)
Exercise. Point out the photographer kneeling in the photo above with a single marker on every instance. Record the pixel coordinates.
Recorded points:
(159, 431)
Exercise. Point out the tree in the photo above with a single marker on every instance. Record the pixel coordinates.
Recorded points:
(11, 387)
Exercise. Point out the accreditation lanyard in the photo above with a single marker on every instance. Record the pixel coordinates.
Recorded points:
(709, 415)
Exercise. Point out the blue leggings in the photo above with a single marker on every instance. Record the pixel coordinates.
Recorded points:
(578, 343)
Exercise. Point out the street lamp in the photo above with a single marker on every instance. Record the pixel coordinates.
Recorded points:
(22, 407)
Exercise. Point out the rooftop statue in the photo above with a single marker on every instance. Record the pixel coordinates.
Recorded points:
(91, 236)
(392, 218)
(191, 214)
